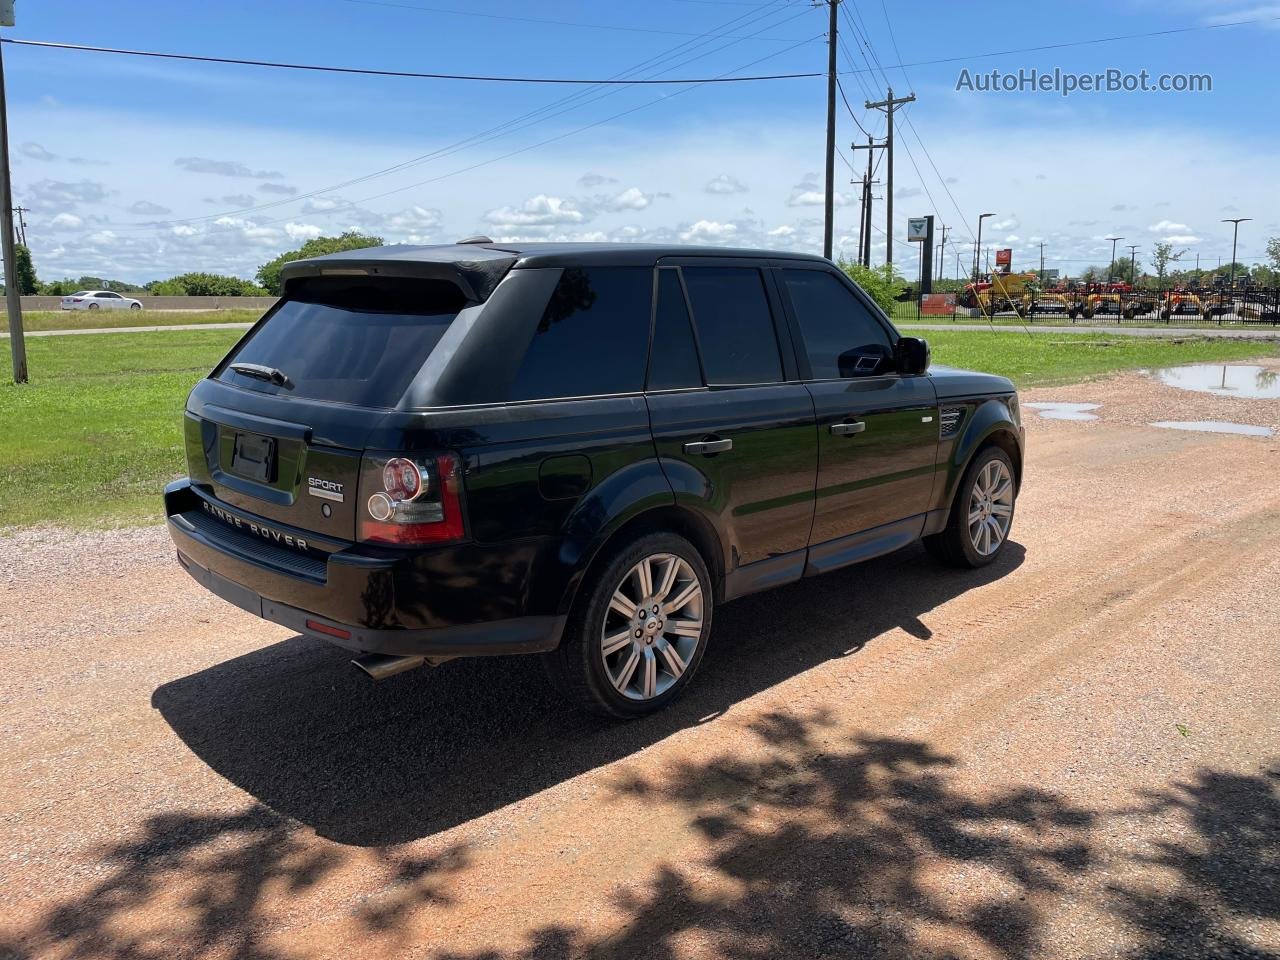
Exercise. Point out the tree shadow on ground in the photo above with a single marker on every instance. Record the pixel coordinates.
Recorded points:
(295, 726)
(819, 845)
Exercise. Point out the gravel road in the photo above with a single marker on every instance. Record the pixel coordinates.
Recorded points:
(1074, 753)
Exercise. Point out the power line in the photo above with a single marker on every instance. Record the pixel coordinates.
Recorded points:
(853, 116)
(363, 71)
(542, 20)
(533, 146)
(569, 103)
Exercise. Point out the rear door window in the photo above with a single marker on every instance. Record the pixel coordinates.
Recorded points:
(356, 342)
(735, 325)
(592, 338)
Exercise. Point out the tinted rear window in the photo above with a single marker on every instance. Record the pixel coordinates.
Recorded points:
(592, 337)
(735, 325)
(351, 342)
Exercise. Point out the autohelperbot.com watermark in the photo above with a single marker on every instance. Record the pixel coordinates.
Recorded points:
(1065, 83)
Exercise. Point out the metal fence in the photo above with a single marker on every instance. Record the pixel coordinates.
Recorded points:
(1100, 307)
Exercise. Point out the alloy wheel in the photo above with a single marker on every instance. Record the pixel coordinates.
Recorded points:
(652, 627)
(990, 508)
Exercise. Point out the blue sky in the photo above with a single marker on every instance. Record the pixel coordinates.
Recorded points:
(142, 168)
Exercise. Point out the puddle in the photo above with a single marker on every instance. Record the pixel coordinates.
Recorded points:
(1065, 411)
(1215, 426)
(1225, 380)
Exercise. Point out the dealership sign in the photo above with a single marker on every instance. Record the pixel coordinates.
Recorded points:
(918, 229)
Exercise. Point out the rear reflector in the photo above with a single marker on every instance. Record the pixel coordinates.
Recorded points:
(327, 630)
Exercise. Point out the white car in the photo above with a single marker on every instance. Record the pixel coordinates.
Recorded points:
(99, 300)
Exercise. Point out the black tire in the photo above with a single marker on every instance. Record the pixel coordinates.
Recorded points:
(135, 306)
(953, 546)
(577, 667)
(93, 306)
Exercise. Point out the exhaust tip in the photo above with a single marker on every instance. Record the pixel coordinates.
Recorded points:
(380, 666)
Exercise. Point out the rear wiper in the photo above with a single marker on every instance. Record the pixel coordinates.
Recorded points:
(259, 372)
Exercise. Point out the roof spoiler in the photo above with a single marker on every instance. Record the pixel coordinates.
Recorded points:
(476, 271)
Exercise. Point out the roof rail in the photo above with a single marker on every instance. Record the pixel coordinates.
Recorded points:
(479, 239)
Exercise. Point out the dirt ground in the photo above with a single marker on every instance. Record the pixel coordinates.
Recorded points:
(1073, 753)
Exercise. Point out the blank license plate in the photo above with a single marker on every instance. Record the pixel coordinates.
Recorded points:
(254, 457)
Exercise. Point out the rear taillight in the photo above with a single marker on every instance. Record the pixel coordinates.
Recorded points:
(411, 499)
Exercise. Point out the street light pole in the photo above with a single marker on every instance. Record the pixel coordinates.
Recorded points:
(1235, 233)
(1111, 267)
(1133, 264)
(977, 247)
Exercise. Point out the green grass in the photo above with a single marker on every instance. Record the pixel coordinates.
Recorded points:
(1045, 359)
(99, 319)
(96, 434)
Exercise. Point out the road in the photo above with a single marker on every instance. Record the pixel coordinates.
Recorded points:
(1073, 753)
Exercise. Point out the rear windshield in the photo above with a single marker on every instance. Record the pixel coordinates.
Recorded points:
(358, 342)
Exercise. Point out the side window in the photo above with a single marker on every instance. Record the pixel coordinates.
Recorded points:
(673, 361)
(735, 325)
(592, 337)
(841, 337)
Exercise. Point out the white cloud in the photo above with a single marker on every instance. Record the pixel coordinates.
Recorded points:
(1181, 238)
(786, 230)
(630, 199)
(58, 193)
(1168, 226)
(145, 208)
(185, 230)
(302, 231)
(595, 180)
(66, 221)
(283, 189)
(539, 211)
(724, 184)
(224, 168)
(36, 152)
(708, 231)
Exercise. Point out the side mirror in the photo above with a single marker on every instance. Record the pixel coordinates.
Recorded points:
(911, 356)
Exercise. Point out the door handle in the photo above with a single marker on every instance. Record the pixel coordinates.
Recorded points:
(705, 447)
(847, 429)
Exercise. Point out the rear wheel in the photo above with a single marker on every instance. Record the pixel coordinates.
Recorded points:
(982, 514)
(93, 306)
(638, 631)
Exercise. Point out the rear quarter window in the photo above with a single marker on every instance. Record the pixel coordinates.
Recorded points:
(356, 342)
(591, 339)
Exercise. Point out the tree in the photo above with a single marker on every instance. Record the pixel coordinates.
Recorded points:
(25, 269)
(203, 285)
(269, 273)
(1121, 270)
(883, 284)
(1161, 256)
(1273, 252)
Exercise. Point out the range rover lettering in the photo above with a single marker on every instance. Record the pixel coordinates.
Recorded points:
(574, 450)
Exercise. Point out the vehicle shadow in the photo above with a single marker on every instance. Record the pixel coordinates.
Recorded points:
(298, 728)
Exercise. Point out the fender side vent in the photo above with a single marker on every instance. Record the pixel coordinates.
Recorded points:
(949, 421)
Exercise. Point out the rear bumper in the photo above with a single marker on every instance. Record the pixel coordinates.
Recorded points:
(399, 603)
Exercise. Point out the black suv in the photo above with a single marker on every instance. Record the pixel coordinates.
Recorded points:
(576, 450)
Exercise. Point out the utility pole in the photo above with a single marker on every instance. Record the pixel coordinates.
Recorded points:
(12, 295)
(977, 246)
(888, 104)
(1111, 267)
(1235, 234)
(942, 251)
(864, 226)
(22, 224)
(1042, 263)
(828, 226)
(1133, 263)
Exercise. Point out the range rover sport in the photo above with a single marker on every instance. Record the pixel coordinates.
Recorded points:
(575, 450)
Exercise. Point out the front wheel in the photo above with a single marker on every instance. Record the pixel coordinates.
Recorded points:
(638, 630)
(135, 306)
(982, 514)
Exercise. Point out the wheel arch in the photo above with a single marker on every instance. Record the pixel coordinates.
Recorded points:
(659, 518)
